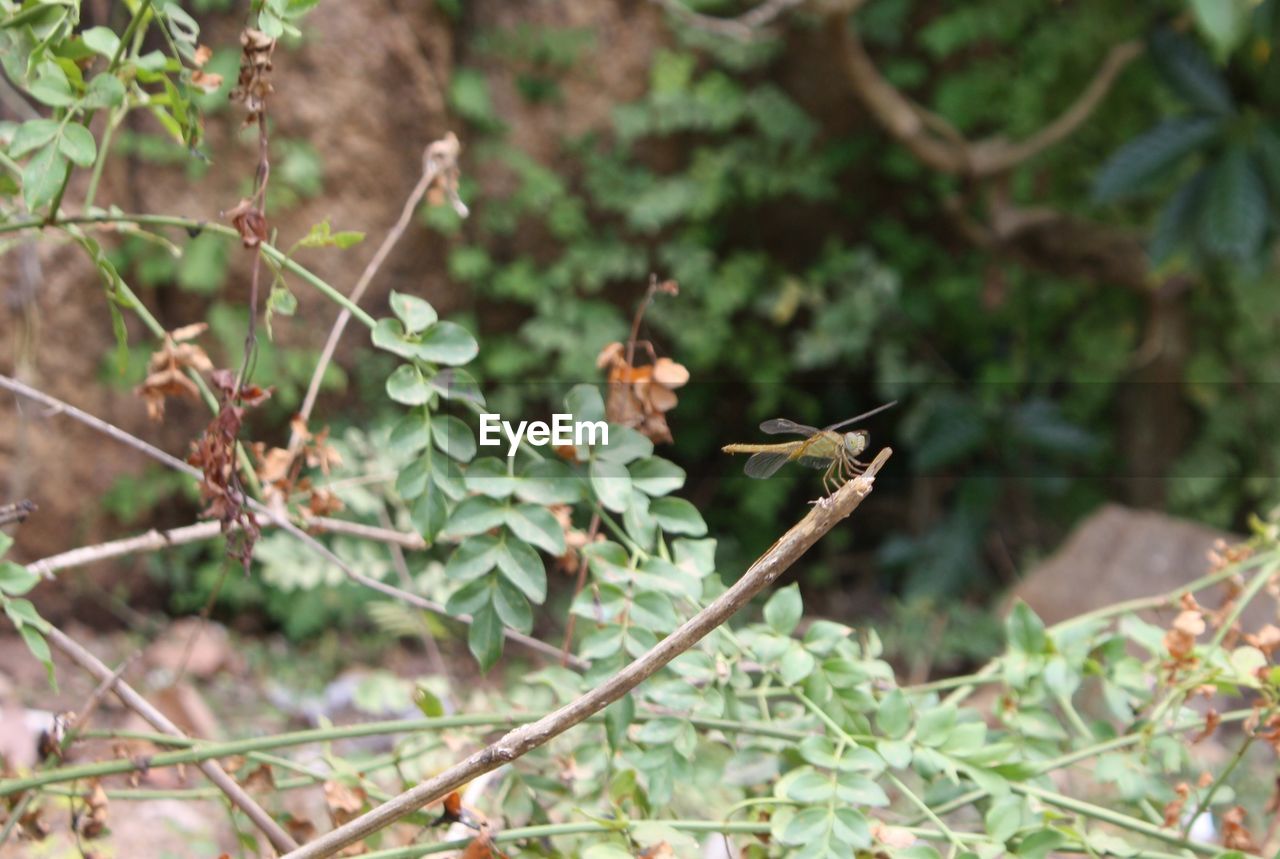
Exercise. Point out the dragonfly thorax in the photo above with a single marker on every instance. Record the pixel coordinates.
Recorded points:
(855, 442)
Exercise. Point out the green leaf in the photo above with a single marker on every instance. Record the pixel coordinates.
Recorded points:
(488, 476)
(549, 482)
(611, 483)
(101, 40)
(1175, 228)
(78, 145)
(389, 335)
(484, 638)
(695, 557)
(454, 438)
(428, 702)
(512, 607)
(601, 643)
(619, 716)
(1225, 23)
(857, 789)
(413, 478)
(677, 516)
(16, 580)
(584, 403)
(850, 828)
(473, 558)
(1004, 817)
(808, 826)
(6, 543)
(42, 176)
(796, 664)
(414, 312)
(935, 724)
(808, 786)
(475, 515)
(1141, 159)
(1268, 155)
(653, 611)
(23, 613)
(321, 235)
(1025, 630)
(31, 135)
(893, 717)
(469, 598)
(783, 610)
(105, 90)
(407, 386)
(1039, 844)
(1190, 72)
(1234, 219)
(446, 474)
(410, 434)
(536, 526)
(625, 445)
(656, 476)
(51, 87)
(447, 343)
(39, 648)
(429, 513)
(523, 567)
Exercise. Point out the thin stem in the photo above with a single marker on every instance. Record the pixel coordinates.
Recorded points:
(431, 167)
(234, 792)
(193, 751)
(275, 254)
(113, 121)
(1207, 798)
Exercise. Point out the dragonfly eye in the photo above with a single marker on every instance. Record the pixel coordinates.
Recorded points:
(855, 442)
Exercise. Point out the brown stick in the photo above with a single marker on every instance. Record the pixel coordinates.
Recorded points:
(440, 156)
(766, 570)
(131, 699)
(280, 520)
(155, 540)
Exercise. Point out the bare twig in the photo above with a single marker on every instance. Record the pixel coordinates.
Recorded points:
(280, 520)
(155, 540)
(18, 512)
(766, 570)
(437, 159)
(744, 27)
(131, 699)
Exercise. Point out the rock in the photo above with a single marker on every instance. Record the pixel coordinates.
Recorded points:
(1119, 553)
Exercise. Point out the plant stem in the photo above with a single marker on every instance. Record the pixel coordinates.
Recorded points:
(113, 121)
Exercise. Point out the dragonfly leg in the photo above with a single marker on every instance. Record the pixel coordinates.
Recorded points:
(829, 480)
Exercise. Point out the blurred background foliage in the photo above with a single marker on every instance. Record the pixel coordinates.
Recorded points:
(824, 268)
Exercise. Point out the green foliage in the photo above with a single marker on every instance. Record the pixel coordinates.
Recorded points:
(15, 582)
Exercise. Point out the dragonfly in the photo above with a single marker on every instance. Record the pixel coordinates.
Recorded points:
(827, 448)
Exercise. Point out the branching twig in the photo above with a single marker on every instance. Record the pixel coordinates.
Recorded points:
(280, 520)
(766, 570)
(131, 699)
(439, 157)
(155, 540)
(931, 139)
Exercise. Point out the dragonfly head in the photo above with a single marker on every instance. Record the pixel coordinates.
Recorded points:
(855, 442)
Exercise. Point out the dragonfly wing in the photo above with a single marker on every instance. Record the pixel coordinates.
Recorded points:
(814, 461)
(765, 464)
(782, 425)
